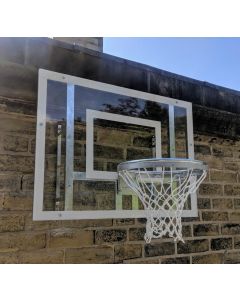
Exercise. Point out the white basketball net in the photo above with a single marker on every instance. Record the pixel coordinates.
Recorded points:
(163, 194)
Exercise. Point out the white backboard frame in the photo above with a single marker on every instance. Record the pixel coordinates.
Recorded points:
(71, 81)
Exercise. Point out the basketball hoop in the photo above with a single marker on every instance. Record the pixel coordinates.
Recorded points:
(163, 185)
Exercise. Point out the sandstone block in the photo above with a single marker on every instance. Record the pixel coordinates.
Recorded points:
(203, 149)
(159, 249)
(220, 176)
(15, 143)
(192, 246)
(221, 243)
(22, 241)
(43, 256)
(232, 189)
(176, 260)
(133, 153)
(214, 216)
(18, 202)
(222, 203)
(234, 216)
(232, 258)
(216, 258)
(11, 222)
(107, 151)
(90, 255)
(69, 238)
(230, 229)
(204, 203)
(122, 252)
(205, 229)
(9, 182)
(208, 189)
(110, 236)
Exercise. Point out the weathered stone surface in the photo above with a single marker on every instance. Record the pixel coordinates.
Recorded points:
(16, 163)
(236, 203)
(105, 201)
(230, 229)
(114, 137)
(94, 43)
(78, 224)
(143, 141)
(159, 249)
(103, 186)
(18, 202)
(205, 229)
(17, 125)
(19, 82)
(69, 238)
(222, 203)
(112, 166)
(11, 222)
(192, 246)
(145, 260)
(79, 133)
(22, 241)
(221, 243)
(232, 190)
(232, 258)
(137, 234)
(133, 153)
(121, 222)
(212, 162)
(186, 231)
(214, 216)
(98, 165)
(176, 260)
(107, 151)
(215, 123)
(8, 52)
(88, 224)
(234, 216)
(28, 182)
(127, 202)
(207, 189)
(220, 176)
(191, 219)
(231, 165)
(9, 258)
(43, 256)
(90, 255)
(203, 149)
(237, 242)
(15, 143)
(110, 236)
(9, 182)
(204, 203)
(216, 258)
(122, 252)
(222, 151)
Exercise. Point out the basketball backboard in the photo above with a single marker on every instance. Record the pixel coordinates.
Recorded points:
(85, 129)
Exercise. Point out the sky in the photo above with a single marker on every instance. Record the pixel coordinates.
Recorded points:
(215, 60)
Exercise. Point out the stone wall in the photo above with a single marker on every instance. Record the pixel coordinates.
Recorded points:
(212, 237)
(94, 43)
